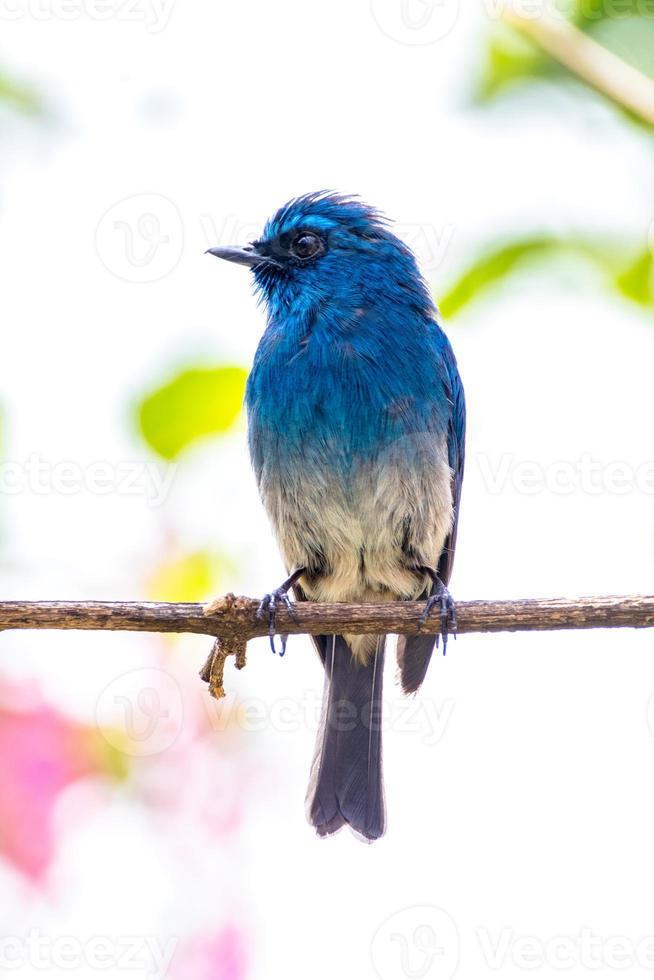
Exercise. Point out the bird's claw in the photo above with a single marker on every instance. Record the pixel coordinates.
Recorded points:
(442, 598)
(269, 604)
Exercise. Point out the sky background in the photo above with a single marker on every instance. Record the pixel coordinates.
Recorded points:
(520, 780)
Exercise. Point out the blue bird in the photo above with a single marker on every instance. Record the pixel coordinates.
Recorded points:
(356, 418)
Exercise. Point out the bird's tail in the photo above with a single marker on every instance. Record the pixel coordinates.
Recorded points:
(346, 777)
(413, 656)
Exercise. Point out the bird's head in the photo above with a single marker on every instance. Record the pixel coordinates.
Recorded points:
(326, 247)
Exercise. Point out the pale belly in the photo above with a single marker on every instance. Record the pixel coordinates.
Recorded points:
(361, 539)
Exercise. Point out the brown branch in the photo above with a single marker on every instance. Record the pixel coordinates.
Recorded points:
(234, 618)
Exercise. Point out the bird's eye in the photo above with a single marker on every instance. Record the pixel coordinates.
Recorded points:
(306, 245)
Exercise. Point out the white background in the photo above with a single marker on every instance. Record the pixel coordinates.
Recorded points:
(532, 815)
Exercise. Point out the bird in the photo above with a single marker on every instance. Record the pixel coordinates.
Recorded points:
(356, 430)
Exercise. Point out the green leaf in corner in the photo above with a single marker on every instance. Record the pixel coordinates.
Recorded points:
(198, 402)
(623, 27)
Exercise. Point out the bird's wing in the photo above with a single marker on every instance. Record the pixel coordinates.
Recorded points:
(456, 435)
(414, 652)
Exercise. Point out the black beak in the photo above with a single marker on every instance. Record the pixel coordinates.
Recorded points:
(242, 256)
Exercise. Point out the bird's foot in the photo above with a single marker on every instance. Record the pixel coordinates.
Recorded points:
(271, 603)
(440, 598)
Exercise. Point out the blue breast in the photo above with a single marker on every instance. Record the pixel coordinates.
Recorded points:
(329, 391)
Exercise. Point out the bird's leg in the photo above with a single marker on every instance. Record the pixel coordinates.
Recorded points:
(439, 596)
(270, 602)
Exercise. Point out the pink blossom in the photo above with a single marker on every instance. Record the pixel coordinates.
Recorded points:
(42, 753)
(220, 956)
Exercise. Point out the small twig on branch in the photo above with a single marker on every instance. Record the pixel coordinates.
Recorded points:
(233, 620)
(214, 669)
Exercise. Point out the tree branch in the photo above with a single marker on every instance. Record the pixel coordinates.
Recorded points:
(233, 620)
(234, 617)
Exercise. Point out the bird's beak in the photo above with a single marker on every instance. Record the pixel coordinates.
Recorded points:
(242, 256)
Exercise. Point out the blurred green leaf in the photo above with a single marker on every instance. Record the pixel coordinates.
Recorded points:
(510, 59)
(631, 38)
(588, 14)
(187, 578)
(631, 278)
(198, 402)
(19, 96)
(636, 282)
(493, 266)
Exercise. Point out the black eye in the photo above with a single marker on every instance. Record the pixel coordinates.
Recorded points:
(305, 245)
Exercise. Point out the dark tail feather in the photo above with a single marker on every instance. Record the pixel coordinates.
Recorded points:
(346, 777)
(413, 656)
